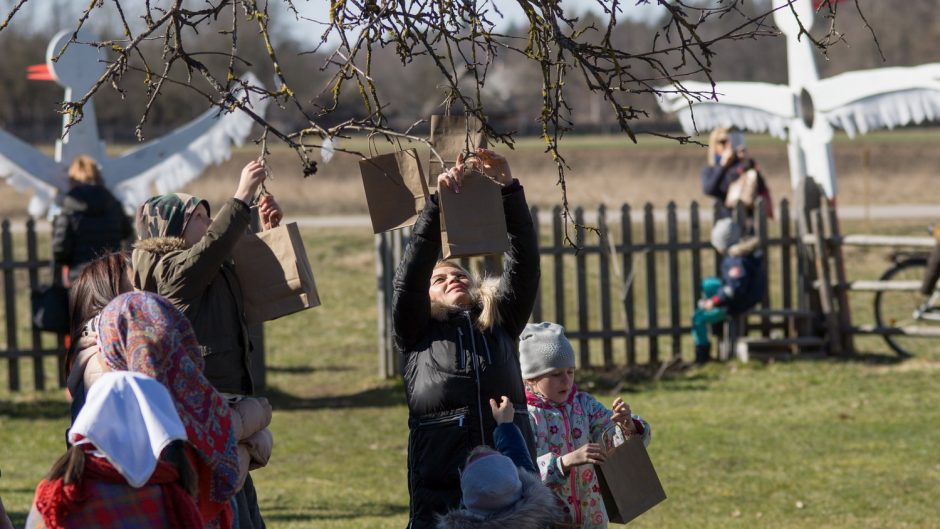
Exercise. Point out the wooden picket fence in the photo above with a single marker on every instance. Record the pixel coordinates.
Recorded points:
(21, 276)
(626, 290)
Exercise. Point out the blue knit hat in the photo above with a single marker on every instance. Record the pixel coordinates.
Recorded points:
(490, 483)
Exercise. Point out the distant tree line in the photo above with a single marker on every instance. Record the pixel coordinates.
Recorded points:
(906, 32)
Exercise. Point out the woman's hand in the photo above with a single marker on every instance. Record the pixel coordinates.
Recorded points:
(253, 174)
(623, 416)
(270, 212)
(451, 178)
(727, 155)
(492, 165)
(504, 411)
(591, 453)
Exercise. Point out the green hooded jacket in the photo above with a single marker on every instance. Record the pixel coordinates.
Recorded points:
(200, 281)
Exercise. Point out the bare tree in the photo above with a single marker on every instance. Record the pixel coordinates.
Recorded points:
(456, 39)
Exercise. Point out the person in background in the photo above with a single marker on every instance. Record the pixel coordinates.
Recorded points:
(741, 286)
(727, 161)
(91, 222)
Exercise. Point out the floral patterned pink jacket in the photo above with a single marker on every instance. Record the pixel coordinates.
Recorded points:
(560, 429)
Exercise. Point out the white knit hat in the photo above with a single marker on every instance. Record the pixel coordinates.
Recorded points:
(725, 234)
(544, 348)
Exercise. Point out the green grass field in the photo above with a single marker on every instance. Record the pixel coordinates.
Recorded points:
(803, 444)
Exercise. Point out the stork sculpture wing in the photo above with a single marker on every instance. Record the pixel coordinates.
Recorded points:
(881, 98)
(171, 161)
(755, 107)
(25, 168)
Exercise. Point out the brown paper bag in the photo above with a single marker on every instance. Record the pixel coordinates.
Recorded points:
(450, 136)
(629, 484)
(274, 274)
(395, 189)
(473, 221)
(744, 189)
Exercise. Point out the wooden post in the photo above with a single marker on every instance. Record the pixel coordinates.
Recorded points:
(537, 307)
(629, 309)
(580, 268)
(652, 303)
(559, 262)
(604, 257)
(825, 286)
(760, 214)
(382, 305)
(672, 237)
(9, 296)
(39, 372)
(831, 229)
(695, 234)
(786, 269)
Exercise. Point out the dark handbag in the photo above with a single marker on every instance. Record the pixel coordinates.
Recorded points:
(50, 305)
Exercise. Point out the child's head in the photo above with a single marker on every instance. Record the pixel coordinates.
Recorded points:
(489, 482)
(547, 360)
(725, 233)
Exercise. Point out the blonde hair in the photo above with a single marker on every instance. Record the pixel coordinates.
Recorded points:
(84, 170)
(482, 294)
(713, 144)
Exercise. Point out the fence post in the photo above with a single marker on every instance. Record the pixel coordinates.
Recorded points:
(9, 296)
(786, 285)
(584, 345)
(760, 212)
(381, 303)
(604, 272)
(652, 305)
(626, 295)
(695, 238)
(537, 308)
(559, 266)
(39, 372)
(672, 236)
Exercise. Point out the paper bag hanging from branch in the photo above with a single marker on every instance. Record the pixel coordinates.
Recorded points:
(628, 481)
(274, 274)
(395, 189)
(450, 136)
(473, 221)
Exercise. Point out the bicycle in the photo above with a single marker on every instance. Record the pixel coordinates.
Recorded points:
(907, 307)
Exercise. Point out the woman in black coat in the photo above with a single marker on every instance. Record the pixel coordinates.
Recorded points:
(91, 223)
(457, 336)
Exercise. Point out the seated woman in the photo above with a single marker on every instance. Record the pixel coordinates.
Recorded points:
(128, 462)
(457, 336)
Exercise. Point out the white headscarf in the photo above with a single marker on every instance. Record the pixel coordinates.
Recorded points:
(130, 418)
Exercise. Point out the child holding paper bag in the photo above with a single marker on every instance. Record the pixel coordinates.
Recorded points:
(457, 336)
(572, 429)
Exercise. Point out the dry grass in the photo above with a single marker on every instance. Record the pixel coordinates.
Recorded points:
(604, 169)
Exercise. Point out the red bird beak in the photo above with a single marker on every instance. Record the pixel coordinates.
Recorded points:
(39, 72)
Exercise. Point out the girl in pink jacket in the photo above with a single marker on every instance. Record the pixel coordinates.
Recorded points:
(573, 431)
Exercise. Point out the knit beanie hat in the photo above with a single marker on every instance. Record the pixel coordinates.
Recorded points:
(544, 348)
(490, 483)
(166, 215)
(725, 233)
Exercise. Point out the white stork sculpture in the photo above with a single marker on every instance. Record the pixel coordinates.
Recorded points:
(165, 163)
(855, 101)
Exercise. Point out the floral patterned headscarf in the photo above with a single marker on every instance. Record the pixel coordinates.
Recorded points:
(143, 332)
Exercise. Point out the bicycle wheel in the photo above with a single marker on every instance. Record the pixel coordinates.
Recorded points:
(896, 308)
